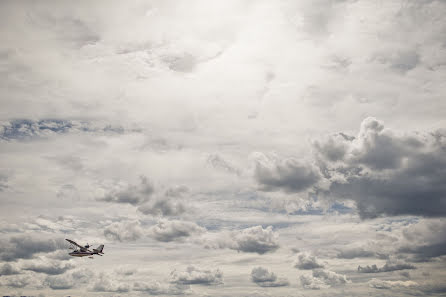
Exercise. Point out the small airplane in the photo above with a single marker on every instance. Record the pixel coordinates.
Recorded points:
(83, 251)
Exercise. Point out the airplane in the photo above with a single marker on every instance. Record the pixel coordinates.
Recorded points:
(83, 251)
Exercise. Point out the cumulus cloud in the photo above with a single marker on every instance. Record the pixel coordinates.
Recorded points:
(254, 240)
(60, 282)
(20, 281)
(9, 269)
(132, 194)
(262, 277)
(163, 207)
(174, 230)
(386, 284)
(124, 231)
(389, 266)
(108, 283)
(157, 288)
(288, 174)
(305, 261)
(48, 266)
(425, 240)
(25, 247)
(386, 172)
(322, 279)
(193, 275)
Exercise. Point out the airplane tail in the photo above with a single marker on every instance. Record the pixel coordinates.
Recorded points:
(99, 249)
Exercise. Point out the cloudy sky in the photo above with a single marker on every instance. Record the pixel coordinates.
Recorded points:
(223, 148)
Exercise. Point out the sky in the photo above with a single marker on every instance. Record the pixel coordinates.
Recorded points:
(223, 148)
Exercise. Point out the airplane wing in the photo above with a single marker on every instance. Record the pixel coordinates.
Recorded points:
(74, 243)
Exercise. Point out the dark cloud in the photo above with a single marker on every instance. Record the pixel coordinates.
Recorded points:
(389, 266)
(174, 230)
(322, 279)
(385, 172)
(8, 269)
(307, 262)
(132, 194)
(25, 246)
(194, 275)
(48, 267)
(124, 231)
(264, 278)
(289, 174)
(27, 129)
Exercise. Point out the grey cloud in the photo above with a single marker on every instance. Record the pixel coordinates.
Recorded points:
(181, 63)
(70, 279)
(8, 269)
(27, 129)
(108, 283)
(351, 253)
(255, 240)
(157, 288)
(60, 282)
(193, 275)
(18, 281)
(385, 284)
(388, 173)
(306, 262)
(132, 194)
(322, 279)
(389, 266)
(264, 278)
(124, 231)
(174, 230)
(163, 207)
(289, 174)
(25, 246)
(48, 267)
(219, 163)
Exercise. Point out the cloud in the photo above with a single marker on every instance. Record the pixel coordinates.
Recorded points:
(108, 283)
(60, 282)
(254, 240)
(132, 194)
(124, 231)
(288, 174)
(425, 240)
(157, 288)
(8, 269)
(194, 275)
(264, 278)
(351, 253)
(305, 261)
(25, 246)
(20, 281)
(48, 267)
(28, 129)
(389, 266)
(322, 279)
(163, 207)
(386, 173)
(385, 284)
(174, 230)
